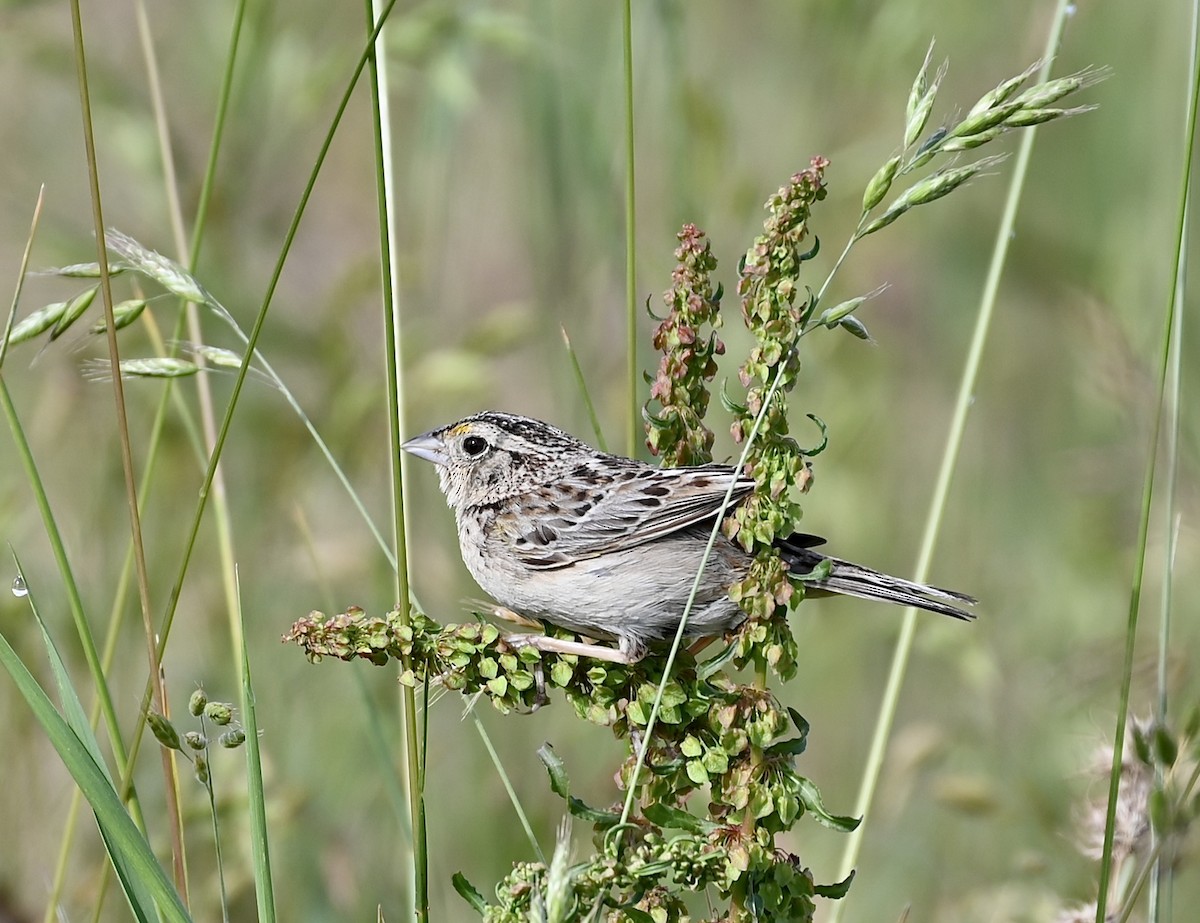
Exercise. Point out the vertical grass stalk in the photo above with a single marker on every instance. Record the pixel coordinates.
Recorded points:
(170, 771)
(631, 399)
(419, 860)
(903, 649)
(1168, 349)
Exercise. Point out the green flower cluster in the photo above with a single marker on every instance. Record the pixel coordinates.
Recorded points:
(677, 433)
(777, 315)
(776, 885)
(738, 741)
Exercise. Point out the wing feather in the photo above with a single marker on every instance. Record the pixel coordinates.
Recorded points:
(599, 515)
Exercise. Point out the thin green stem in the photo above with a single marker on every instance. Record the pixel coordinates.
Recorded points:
(581, 383)
(413, 751)
(512, 794)
(260, 847)
(632, 433)
(176, 217)
(22, 272)
(216, 828)
(676, 643)
(903, 649)
(240, 378)
(1159, 892)
(170, 773)
(225, 543)
(1165, 350)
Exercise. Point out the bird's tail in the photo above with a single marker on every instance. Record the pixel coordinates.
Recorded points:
(851, 579)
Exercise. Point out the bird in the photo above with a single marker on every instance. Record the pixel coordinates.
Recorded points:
(608, 547)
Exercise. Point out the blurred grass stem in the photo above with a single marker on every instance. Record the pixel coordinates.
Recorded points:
(631, 299)
(385, 198)
(1168, 360)
(903, 649)
(170, 774)
(116, 617)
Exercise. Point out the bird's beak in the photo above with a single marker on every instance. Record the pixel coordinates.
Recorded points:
(429, 447)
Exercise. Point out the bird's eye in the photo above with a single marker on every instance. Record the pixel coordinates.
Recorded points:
(474, 445)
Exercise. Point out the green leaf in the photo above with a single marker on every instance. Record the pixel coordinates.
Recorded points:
(818, 574)
(1141, 746)
(1160, 812)
(793, 747)
(468, 893)
(560, 782)
(824, 437)
(120, 833)
(673, 695)
(811, 798)
(666, 816)
(835, 891)
(264, 888)
(498, 687)
(135, 890)
(1166, 748)
(716, 762)
(637, 713)
(696, 772)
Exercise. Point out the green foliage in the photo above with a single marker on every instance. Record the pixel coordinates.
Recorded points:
(738, 741)
(735, 741)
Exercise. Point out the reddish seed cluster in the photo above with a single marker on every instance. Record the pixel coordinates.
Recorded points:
(677, 432)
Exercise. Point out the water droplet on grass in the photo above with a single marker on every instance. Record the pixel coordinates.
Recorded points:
(18, 587)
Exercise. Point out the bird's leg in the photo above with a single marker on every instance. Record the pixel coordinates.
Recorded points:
(700, 644)
(563, 646)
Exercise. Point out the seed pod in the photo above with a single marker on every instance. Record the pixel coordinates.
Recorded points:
(218, 713)
(163, 730)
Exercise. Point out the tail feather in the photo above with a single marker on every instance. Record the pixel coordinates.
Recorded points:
(849, 579)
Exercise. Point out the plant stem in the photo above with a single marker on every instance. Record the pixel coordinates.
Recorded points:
(170, 774)
(391, 324)
(1174, 303)
(903, 648)
(632, 433)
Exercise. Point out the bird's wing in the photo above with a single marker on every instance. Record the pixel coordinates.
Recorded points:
(597, 512)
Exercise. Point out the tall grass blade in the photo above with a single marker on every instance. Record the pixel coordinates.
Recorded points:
(133, 858)
(170, 775)
(21, 273)
(415, 752)
(903, 649)
(581, 383)
(260, 847)
(1167, 349)
(634, 422)
(140, 901)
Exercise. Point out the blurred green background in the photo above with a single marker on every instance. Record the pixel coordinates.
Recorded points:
(508, 125)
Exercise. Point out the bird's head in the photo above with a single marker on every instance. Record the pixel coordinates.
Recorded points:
(490, 456)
